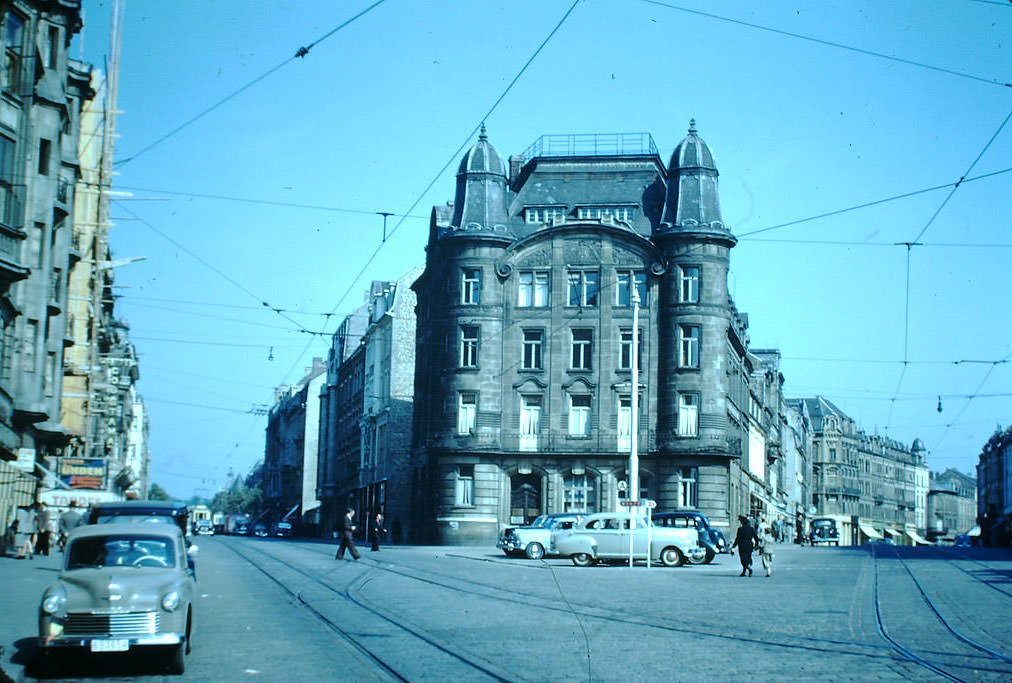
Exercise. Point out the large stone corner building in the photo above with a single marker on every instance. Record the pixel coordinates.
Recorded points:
(524, 341)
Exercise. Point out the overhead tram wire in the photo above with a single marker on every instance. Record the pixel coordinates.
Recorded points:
(841, 46)
(955, 184)
(976, 394)
(438, 175)
(299, 54)
(916, 242)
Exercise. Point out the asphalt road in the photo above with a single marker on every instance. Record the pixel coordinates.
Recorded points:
(286, 610)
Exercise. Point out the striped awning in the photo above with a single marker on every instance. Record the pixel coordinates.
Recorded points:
(870, 532)
(915, 537)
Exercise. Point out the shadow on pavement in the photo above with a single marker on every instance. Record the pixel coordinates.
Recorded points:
(72, 664)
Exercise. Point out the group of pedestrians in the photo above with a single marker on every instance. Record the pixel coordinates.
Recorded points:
(346, 531)
(31, 531)
(748, 540)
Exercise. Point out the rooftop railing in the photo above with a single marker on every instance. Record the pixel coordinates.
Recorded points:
(592, 145)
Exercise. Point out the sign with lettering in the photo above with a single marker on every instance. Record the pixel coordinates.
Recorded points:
(83, 473)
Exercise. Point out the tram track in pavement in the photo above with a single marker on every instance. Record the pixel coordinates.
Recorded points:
(948, 664)
(761, 637)
(355, 638)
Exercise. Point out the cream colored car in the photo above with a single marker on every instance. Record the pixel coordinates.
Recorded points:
(605, 536)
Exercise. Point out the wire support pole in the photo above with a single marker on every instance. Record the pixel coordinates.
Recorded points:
(633, 494)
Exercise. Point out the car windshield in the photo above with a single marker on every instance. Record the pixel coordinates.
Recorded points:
(822, 523)
(115, 519)
(540, 522)
(121, 551)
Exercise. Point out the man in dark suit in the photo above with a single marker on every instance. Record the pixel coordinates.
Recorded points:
(347, 531)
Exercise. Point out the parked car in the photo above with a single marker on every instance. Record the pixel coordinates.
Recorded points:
(260, 530)
(606, 535)
(283, 529)
(535, 539)
(124, 586)
(711, 538)
(824, 531)
(242, 527)
(203, 527)
(962, 541)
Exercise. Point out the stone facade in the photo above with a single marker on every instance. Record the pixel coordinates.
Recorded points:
(952, 505)
(525, 318)
(873, 486)
(994, 490)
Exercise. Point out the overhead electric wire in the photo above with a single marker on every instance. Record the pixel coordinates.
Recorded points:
(955, 184)
(453, 157)
(247, 200)
(970, 398)
(800, 36)
(299, 54)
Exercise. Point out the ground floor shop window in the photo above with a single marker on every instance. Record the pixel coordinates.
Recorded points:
(580, 493)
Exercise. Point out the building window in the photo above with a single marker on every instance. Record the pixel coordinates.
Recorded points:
(467, 412)
(533, 289)
(44, 147)
(533, 348)
(688, 346)
(620, 213)
(468, 346)
(625, 349)
(688, 414)
(541, 215)
(624, 427)
(583, 346)
(579, 415)
(530, 422)
(687, 487)
(9, 205)
(13, 42)
(580, 493)
(582, 288)
(470, 285)
(623, 292)
(53, 48)
(688, 284)
(464, 489)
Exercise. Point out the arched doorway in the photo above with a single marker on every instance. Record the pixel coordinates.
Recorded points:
(525, 498)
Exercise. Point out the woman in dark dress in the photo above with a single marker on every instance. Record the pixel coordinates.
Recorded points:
(745, 541)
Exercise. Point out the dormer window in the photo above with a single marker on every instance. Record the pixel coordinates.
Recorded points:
(618, 213)
(544, 214)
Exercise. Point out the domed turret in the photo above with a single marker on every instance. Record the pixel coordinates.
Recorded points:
(480, 203)
(692, 202)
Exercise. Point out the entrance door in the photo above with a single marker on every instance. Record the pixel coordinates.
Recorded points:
(525, 498)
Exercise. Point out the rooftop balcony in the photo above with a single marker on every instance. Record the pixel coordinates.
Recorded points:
(592, 145)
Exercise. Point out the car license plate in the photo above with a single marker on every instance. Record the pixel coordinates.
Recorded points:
(117, 645)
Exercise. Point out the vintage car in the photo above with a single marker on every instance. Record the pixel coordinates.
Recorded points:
(203, 527)
(605, 536)
(124, 586)
(260, 530)
(710, 537)
(535, 539)
(824, 531)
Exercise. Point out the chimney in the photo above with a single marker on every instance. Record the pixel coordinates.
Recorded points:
(516, 163)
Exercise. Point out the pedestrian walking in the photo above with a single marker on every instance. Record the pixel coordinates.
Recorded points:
(767, 539)
(24, 534)
(347, 531)
(43, 521)
(69, 520)
(744, 541)
(375, 531)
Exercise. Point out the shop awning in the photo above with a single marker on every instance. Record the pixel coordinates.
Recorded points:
(870, 532)
(975, 531)
(892, 532)
(915, 537)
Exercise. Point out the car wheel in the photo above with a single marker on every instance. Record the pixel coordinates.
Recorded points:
(535, 551)
(177, 660)
(709, 556)
(672, 557)
(582, 559)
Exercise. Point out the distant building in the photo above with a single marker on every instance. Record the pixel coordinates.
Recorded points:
(952, 505)
(874, 487)
(523, 387)
(285, 455)
(994, 490)
(368, 436)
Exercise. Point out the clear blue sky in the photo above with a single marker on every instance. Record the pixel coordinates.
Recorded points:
(367, 119)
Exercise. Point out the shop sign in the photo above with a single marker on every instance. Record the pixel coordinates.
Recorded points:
(83, 473)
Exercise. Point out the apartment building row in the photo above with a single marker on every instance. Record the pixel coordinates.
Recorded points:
(72, 425)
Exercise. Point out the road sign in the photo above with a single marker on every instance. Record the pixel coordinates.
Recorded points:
(629, 503)
(647, 503)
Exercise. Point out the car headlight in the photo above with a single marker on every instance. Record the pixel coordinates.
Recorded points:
(53, 603)
(170, 601)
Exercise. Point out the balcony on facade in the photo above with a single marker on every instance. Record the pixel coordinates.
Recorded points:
(592, 145)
